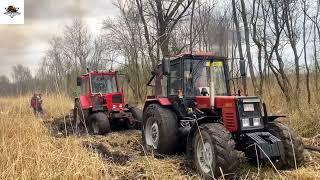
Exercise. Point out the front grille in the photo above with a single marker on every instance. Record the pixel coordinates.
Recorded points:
(256, 113)
(117, 98)
(229, 120)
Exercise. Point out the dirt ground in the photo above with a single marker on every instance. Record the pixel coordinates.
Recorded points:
(122, 151)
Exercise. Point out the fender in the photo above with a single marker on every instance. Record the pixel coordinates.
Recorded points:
(272, 118)
(154, 99)
(266, 117)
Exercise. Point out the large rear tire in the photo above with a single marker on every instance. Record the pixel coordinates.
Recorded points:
(99, 123)
(137, 114)
(214, 151)
(160, 129)
(78, 117)
(292, 144)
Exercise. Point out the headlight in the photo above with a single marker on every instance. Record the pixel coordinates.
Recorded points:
(256, 121)
(245, 122)
(114, 106)
(120, 106)
(248, 107)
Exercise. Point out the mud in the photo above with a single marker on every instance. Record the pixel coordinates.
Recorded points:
(64, 126)
(115, 157)
(121, 148)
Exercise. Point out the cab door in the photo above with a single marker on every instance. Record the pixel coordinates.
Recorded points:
(85, 96)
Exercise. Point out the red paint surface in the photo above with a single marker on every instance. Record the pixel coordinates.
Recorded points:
(163, 101)
(228, 106)
(87, 99)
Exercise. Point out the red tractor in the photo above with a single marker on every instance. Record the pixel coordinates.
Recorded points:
(102, 104)
(193, 106)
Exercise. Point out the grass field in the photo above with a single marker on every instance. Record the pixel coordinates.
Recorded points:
(34, 148)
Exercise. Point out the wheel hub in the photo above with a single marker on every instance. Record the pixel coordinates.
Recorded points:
(204, 155)
(152, 134)
(95, 128)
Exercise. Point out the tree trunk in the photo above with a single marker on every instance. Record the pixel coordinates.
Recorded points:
(236, 23)
(305, 52)
(247, 40)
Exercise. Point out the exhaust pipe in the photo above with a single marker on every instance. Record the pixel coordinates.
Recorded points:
(211, 84)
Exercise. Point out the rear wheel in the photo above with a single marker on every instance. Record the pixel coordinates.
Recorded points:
(292, 144)
(137, 115)
(99, 123)
(78, 117)
(213, 149)
(160, 129)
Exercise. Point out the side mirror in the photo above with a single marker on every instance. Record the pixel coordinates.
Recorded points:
(165, 66)
(79, 81)
(242, 67)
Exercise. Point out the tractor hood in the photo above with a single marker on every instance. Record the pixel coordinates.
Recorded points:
(238, 112)
(115, 101)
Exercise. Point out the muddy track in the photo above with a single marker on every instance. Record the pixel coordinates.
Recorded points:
(120, 148)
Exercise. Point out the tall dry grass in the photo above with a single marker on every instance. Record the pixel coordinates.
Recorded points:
(27, 151)
(305, 119)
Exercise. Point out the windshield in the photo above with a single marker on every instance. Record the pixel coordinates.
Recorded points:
(103, 84)
(196, 74)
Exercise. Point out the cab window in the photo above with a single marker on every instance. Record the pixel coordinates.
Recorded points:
(175, 79)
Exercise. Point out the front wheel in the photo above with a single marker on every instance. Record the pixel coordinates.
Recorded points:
(99, 123)
(292, 144)
(214, 151)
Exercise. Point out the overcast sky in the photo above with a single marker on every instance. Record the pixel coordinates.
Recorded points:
(26, 44)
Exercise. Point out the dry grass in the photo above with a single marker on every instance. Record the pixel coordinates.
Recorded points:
(29, 151)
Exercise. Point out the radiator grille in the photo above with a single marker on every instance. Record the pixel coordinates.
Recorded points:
(229, 120)
(117, 98)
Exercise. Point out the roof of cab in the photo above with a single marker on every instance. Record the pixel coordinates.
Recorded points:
(198, 54)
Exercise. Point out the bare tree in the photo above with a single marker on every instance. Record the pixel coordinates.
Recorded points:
(247, 41)
(236, 22)
(77, 45)
(22, 77)
(305, 50)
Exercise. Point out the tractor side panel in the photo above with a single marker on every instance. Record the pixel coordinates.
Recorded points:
(229, 111)
(86, 102)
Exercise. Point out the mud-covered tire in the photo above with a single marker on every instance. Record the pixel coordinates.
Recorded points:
(99, 123)
(292, 144)
(166, 121)
(137, 115)
(225, 157)
(78, 122)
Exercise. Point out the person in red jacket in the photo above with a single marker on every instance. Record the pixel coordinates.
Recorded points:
(36, 104)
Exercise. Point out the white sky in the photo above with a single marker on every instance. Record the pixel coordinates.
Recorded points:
(26, 44)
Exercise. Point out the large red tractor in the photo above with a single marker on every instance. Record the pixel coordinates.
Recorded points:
(101, 104)
(193, 106)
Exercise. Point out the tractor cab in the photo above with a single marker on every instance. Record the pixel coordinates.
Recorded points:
(100, 91)
(189, 75)
(198, 84)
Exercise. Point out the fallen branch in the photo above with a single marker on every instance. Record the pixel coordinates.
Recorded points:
(313, 148)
